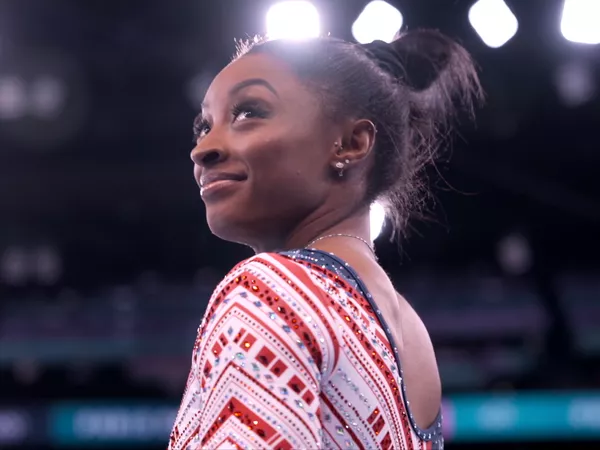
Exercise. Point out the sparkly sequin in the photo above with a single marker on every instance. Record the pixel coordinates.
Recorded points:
(293, 353)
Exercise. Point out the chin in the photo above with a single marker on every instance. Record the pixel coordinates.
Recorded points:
(237, 227)
(222, 225)
(225, 215)
(231, 226)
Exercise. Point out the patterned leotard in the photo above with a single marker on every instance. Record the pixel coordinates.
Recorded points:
(293, 353)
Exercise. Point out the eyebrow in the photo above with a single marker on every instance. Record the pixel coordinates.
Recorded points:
(247, 83)
(252, 82)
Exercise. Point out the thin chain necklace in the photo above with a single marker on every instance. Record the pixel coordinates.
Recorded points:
(370, 245)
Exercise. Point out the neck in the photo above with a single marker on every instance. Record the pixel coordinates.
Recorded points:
(356, 224)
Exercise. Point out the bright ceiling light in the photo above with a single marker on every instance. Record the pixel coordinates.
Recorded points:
(378, 21)
(293, 20)
(581, 21)
(493, 21)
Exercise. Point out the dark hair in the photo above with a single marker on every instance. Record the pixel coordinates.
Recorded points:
(411, 98)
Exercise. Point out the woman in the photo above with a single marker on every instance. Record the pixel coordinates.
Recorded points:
(307, 344)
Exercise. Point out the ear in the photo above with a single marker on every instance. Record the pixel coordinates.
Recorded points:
(358, 142)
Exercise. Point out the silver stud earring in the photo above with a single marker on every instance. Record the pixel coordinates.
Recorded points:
(340, 166)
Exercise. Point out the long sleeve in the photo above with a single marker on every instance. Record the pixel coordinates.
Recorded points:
(264, 344)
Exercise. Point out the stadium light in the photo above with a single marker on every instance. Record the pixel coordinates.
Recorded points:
(293, 20)
(377, 219)
(581, 21)
(378, 21)
(575, 83)
(13, 98)
(493, 21)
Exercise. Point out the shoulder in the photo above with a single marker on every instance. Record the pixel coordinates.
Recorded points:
(277, 296)
(278, 263)
(278, 281)
(279, 272)
(263, 345)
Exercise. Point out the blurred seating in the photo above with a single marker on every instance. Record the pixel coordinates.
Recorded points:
(487, 331)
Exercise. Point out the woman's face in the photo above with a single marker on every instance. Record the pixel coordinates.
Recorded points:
(263, 156)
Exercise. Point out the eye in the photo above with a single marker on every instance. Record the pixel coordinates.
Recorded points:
(201, 128)
(248, 110)
(240, 111)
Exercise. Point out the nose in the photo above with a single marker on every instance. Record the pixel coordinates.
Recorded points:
(205, 156)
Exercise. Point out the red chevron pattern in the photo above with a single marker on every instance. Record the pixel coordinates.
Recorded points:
(291, 356)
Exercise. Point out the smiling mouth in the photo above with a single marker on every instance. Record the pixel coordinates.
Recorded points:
(218, 186)
(215, 183)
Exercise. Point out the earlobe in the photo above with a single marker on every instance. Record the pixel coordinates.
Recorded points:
(340, 166)
(359, 144)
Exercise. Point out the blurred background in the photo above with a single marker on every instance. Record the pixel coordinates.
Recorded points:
(106, 262)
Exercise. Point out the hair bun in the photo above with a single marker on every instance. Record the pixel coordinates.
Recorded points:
(386, 57)
(439, 70)
(424, 54)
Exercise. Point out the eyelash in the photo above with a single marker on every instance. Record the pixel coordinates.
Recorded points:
(202, 127)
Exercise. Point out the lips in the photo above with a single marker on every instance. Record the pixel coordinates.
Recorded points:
(209, 178)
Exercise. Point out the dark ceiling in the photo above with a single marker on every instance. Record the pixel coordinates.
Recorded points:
(110, 181)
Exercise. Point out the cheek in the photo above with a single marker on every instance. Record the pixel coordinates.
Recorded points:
(287, 166)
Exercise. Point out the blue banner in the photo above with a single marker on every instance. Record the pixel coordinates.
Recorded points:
(85, 424)
(523, 417)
